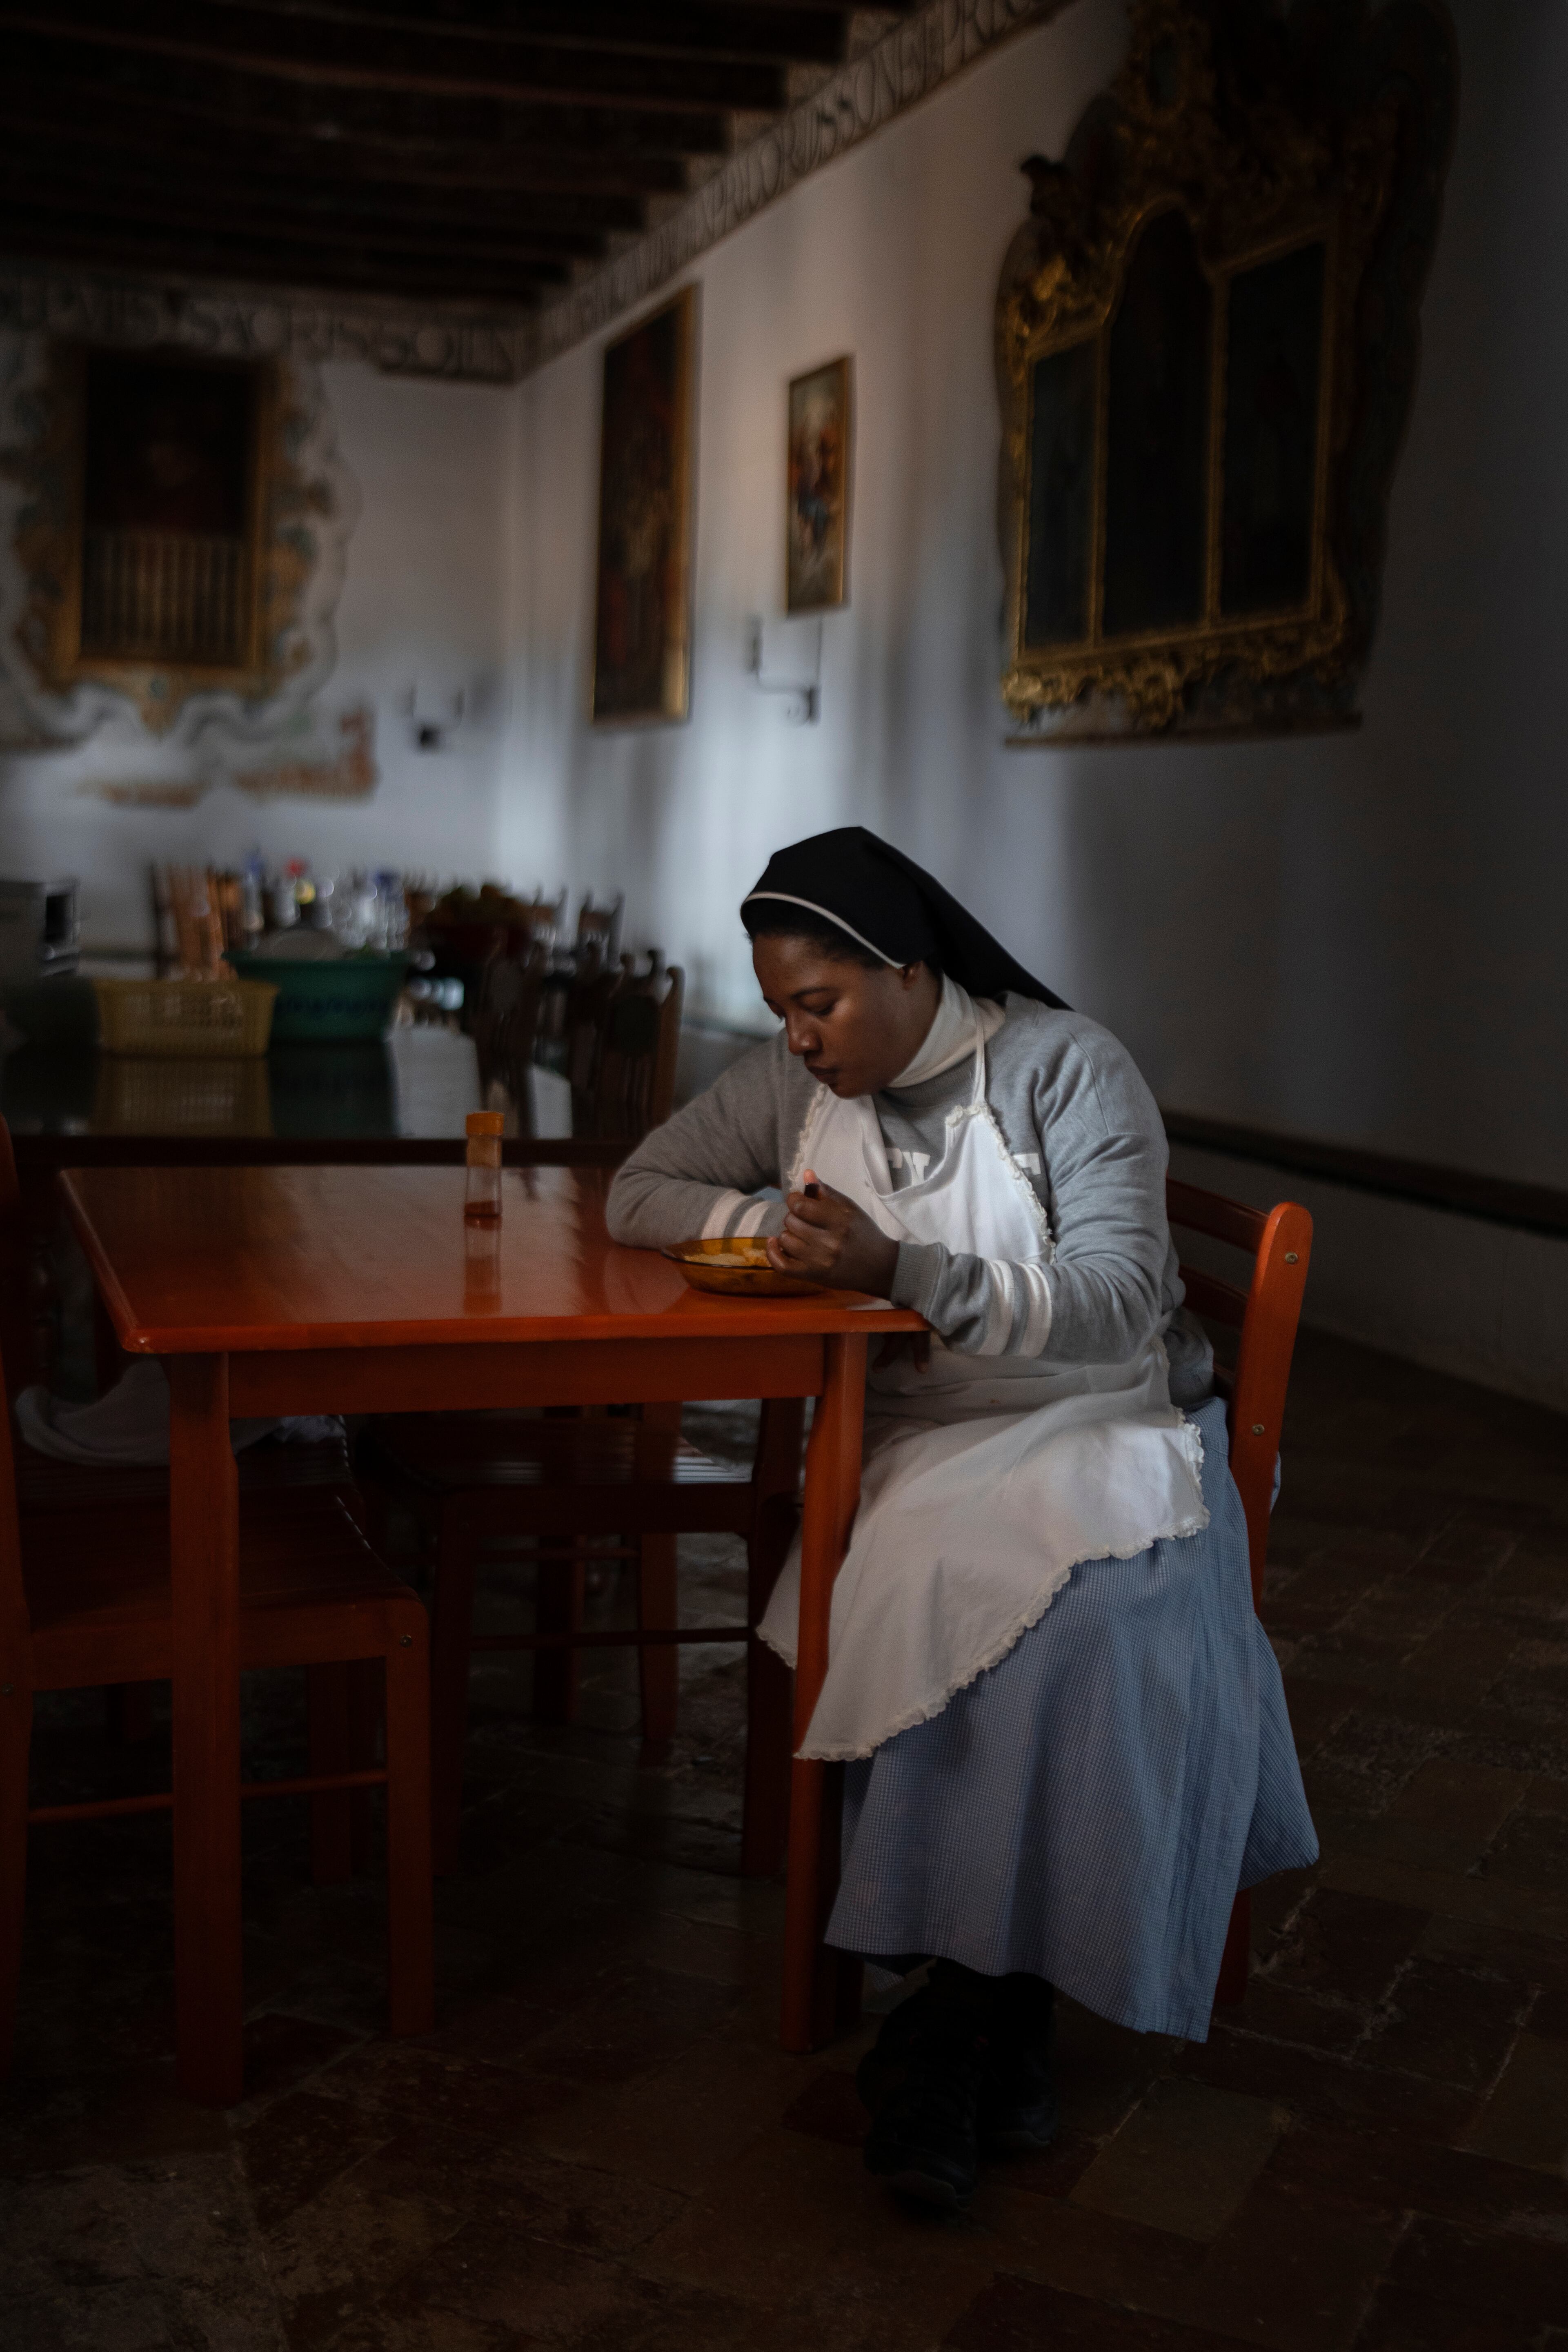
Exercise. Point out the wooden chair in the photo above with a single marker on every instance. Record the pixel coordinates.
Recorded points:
(471, 1481)
(1279, 1244)
(598, 938)
(623, 1070)
(544, 920)
(45, 1485)
(84, 1600)
(627, 1485)
(506, 1026)
(823, 1988)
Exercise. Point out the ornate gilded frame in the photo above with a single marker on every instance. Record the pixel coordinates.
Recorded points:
(1206, 117)
(50, 547)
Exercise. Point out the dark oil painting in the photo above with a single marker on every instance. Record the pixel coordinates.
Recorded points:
(642, 654)
(1061, 497)
(1157, 434)
(168, 446)
(1273, 367)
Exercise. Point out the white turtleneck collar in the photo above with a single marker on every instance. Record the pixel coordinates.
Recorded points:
(950, 1037)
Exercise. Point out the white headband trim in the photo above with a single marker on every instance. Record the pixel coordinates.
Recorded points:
(837, 921)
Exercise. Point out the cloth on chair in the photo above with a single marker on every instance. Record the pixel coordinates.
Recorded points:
(1088, 1808)
(128, 1425)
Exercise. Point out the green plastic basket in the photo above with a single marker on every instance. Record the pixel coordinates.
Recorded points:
(348, 1001)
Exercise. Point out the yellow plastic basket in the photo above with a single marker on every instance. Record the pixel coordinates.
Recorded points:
(184, 1016)
(144, 1094)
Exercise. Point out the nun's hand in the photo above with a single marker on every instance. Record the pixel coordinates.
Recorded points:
(830, 1240)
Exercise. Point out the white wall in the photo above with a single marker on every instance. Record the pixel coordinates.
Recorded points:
(424, 600)
(1356, 936)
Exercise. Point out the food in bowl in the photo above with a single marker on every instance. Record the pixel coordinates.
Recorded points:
(737, 1266)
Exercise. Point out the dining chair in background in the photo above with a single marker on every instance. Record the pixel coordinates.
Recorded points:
(598, 941)
(587, 1489)
(339, 1723)
(593, 1488)
(85, 1600)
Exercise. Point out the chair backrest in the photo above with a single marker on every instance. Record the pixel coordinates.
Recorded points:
(632, 1084)
(598, 931)
(506, 1022)
(540, 923)
(1279, 1244)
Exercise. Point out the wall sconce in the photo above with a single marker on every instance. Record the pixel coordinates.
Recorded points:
(432, 725)
(805, 706)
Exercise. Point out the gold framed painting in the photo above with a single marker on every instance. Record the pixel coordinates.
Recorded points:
(642, 631)
(817, 512)
(1202, 337)
(158, 548)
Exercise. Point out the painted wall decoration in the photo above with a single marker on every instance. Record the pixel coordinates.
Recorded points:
(817, 512)
(1206, 339)
(642, 636)
(174, 537)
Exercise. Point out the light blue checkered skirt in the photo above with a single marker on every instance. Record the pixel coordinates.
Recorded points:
(1087, 1809)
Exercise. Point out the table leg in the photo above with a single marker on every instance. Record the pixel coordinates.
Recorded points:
(203, 1509)
(812, 1988)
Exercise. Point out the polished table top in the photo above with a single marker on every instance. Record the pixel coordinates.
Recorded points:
(214, 1260)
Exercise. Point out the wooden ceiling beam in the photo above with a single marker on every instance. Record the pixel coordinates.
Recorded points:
(199, 142)
(803, 32)
(323, 55)
(79, 159)
(242, 100)
(204, 257)
(26, 187)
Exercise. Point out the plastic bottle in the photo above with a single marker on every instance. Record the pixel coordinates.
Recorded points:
(481, 1203)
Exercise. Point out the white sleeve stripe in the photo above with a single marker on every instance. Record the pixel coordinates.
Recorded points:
(755, 1218)
(1036, 1290)
(717, 1222)
(999, 1314)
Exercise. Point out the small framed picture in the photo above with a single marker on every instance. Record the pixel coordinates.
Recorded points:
(817, 519)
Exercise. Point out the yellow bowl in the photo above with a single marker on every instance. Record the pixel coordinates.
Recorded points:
(737, 1266)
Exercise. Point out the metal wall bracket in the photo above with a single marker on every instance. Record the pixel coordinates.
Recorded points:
(805, 707)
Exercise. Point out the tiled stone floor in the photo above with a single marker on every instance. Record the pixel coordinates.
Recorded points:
(602, 2147)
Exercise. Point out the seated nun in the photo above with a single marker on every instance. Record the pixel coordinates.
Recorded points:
(1065, 1733)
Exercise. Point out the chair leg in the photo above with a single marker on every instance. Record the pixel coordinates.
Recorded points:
(128, 1712)
(1235, 1963)
(658, 1667)
(410, 1916)
(770, 1703)
(558, 1610)
(367, 1723)
(770, 1707)
(451, 1639)
(327, 1690)
(15, 1740)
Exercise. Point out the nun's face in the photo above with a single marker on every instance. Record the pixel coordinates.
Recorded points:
(854, 1028)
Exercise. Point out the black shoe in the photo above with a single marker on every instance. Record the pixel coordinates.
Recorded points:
(921, 2082)
(1018, 2110)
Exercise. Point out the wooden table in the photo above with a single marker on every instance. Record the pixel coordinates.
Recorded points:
(283, 1290)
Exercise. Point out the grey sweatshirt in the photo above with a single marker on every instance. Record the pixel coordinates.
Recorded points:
(1079, 1123)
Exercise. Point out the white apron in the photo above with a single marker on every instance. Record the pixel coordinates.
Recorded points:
(987, 1479)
